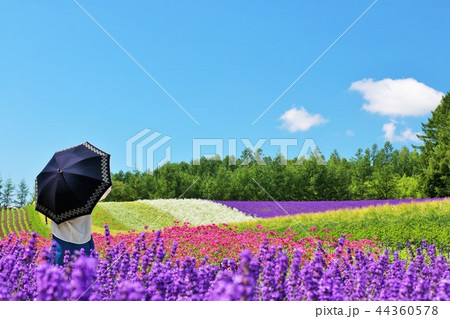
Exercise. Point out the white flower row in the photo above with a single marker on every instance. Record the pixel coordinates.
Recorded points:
(198, 211)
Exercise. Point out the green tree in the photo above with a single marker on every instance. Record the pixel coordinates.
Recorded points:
(22, 193)
(338, 177)
(408, 187)
(374, 173)
(8, 194)
(251, 157)
(435, 151)
(361, 173)
(384, 177)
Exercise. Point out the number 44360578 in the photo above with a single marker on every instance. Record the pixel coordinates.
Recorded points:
(407, 310)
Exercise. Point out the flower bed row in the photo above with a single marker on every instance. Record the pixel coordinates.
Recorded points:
(155, 266)
(269, 209)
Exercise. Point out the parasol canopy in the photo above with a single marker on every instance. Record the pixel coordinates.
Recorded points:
(72, 182)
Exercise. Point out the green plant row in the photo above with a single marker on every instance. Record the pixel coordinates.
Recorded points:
(3, 229)
(130, 216)
(13, 221)
(37, 222)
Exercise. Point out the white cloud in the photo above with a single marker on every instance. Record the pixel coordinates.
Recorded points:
(350, 133)
(296, 120)
(403, 97)
(407, 135)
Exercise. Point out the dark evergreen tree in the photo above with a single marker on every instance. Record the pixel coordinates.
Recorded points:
(435, 151)
(22, 194)
(7, 199)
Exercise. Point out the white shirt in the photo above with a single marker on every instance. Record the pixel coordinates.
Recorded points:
(77, 230)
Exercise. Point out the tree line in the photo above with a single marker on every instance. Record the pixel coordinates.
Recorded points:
(373, 173)
(13, 195)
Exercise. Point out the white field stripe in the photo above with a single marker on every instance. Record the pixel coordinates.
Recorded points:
(136, 62)
(199, 211)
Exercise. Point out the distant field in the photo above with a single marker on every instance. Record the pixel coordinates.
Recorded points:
(269, 209)
(130, 216)
(198, 211)
(157, 214)
(389, 224)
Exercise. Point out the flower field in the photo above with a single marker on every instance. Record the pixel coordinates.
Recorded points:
(198, 211)
(424, 218)
(277, 268)
(269, 209)
(160, 213)
(394, 225)
(386, 252)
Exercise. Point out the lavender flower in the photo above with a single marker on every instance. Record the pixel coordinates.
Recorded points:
(146, 274)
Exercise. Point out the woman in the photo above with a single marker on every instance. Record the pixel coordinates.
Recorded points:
(73, 235)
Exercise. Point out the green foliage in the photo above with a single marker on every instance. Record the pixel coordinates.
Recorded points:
(7, 198)
(10, 195)
(4, 230)
(22, 193)
(435, 152)
(408, 187)
(375, 173)
(37, 222)
(101, 216)
(389, 224)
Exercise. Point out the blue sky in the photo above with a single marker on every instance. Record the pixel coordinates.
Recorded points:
(63, 81)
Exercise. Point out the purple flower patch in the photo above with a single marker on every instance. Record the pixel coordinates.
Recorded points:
(268, 209)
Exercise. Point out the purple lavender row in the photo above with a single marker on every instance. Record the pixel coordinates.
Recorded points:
(268, 209)
(147, 273)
